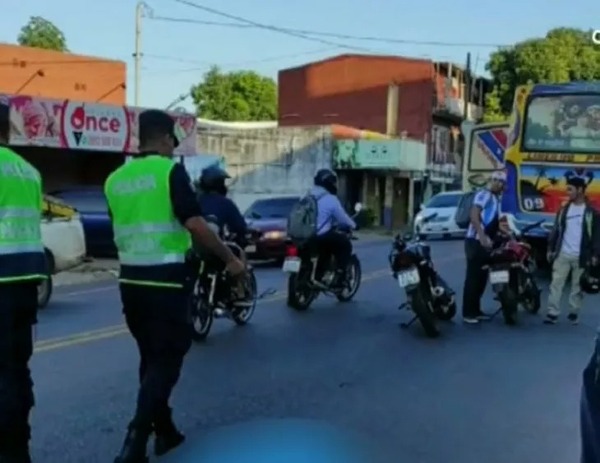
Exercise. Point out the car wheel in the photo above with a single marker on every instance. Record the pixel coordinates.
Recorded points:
(46, 287)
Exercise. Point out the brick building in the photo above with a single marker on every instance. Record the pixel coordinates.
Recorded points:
(52, 74)
(354, 90)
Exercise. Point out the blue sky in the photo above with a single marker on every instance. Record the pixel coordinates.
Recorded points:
(178, 54)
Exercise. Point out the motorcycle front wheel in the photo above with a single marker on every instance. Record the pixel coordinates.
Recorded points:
(202, 318)
(243, 316)
(354, 275)
(421, 306)
(532, 299)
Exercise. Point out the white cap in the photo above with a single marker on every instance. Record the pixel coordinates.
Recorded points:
(499, 175)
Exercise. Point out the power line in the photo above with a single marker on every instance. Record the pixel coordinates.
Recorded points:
(305, 33)
(271, 27)
(206, 65)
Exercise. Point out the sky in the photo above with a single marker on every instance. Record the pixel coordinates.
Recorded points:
(177, 54)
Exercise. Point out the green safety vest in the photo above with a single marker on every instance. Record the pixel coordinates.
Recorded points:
(22, 256)
(151, 242)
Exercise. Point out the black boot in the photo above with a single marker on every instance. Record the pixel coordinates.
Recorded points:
(167, 435)
(134, 446)
(17, 457)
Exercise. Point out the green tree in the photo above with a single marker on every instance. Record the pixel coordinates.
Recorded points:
(235, 96)
(41, 33)
(564, 55)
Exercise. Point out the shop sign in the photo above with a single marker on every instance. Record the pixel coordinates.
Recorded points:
(86, 126)
(399, 154)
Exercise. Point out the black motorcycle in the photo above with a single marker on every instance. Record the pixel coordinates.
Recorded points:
(428, 295)
(512, 275)
(312, 271)
(212, 296)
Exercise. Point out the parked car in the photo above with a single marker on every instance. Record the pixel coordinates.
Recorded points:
(267, 218)
(92, 206)
(444, 206)
(64, 242)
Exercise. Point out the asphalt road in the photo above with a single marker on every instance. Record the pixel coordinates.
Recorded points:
(485, 393)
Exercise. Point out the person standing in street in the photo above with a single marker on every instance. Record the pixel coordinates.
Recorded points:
(22, 267)
(484, 226)
(154, 210)
(573, 244)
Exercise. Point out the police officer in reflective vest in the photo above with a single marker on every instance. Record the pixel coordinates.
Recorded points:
(22, 268)
(154, 210)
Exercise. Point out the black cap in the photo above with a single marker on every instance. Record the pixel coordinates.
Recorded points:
(157, 122)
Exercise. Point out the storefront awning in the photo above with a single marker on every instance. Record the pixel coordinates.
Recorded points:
(85, 126)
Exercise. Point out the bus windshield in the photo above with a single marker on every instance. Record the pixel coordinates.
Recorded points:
(563, 123)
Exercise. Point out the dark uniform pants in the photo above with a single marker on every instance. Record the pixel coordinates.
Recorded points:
(475, 278)
(158, 319)
(18, 309)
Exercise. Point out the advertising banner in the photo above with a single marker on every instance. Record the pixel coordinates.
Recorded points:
(78, 125)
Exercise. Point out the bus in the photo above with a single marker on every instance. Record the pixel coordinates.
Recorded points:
(554, 133)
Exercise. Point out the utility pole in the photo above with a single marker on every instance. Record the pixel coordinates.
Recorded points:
(467, 95)
(140, 9)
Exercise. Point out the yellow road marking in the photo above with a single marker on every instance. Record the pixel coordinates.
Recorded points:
(113, 331)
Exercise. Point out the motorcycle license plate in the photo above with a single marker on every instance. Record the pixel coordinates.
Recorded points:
(499, 277)
(291, 265)
(408, 278)
(251, 248)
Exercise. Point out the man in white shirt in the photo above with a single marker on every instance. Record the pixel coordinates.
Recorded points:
(573, 244)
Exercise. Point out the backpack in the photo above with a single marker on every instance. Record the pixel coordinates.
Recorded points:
(462, 217)
(302, 221)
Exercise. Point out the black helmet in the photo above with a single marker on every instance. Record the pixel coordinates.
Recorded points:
(213, 179)
(326, 178)
(590, 280)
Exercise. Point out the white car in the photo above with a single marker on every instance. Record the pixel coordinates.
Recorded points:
(64, 242)
(444, 206)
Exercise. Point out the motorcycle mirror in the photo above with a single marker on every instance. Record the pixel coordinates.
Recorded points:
(358, 207)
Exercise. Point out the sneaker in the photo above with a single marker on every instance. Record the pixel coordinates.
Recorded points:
(471, 320)
(573, 318)
(483, 317)
(550, 319)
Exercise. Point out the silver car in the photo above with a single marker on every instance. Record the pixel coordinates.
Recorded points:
(444, 206)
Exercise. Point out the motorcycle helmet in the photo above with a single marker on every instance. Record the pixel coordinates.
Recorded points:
(212, 180)
(327, 178)
(590, 280)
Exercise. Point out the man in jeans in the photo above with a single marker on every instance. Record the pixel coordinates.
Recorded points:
(573, 244)
(484, 226)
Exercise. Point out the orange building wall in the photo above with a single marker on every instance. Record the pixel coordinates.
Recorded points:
(352, 90)
(63, 75)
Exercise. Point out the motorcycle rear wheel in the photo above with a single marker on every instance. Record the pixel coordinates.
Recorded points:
(300, 296)
(421, 306)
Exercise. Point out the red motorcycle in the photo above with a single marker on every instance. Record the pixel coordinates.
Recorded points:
(512, 276)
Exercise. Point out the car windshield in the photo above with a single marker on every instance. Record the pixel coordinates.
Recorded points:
(275, 208)
(444, 201)
(90, 202)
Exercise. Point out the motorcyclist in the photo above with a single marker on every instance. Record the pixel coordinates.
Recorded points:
(331, 214)
(212, 196)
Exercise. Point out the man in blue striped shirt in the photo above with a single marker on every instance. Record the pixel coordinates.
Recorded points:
(485, 224)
